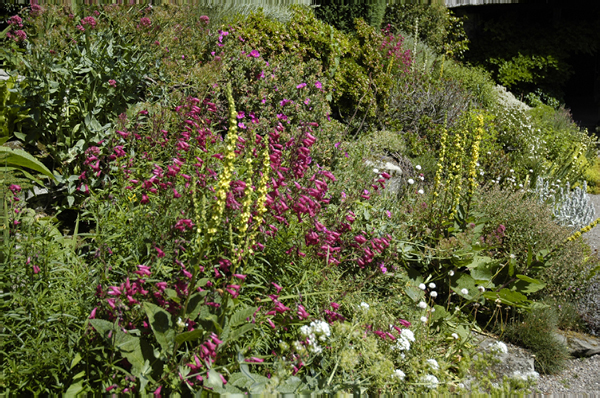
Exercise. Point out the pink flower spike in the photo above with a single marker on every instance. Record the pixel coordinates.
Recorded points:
(239, 276)
(404, 323)
(301, 85)
(254, 360)
(156, 392)
(335, 306)
(36, 269)
(276, 287)
(271, 323)
(93, 313)
(159, 252)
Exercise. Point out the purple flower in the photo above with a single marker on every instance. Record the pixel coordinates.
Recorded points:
(307, 101)
(301, 85)
(205, 19)
(112, 83)
(241, 125)
(318, 85)
(15, 20)
(254, 53)
(241, 115)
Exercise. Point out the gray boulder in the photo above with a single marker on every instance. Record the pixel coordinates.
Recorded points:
(580, 345)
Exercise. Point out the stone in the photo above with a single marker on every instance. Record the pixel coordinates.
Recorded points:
(580, 345)
(393, 168)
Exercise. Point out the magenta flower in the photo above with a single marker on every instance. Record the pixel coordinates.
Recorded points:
(404, 323)
(254, 54)
(14, 188)
(91, 21)
(143, 270)
(15, 20)
(205, 19)
(276, 287)
(93, 313)
(301, 85)
(254, 359)
(36, 269)
(112, 83)
(271, 323)
(318, 85)
(159, 252)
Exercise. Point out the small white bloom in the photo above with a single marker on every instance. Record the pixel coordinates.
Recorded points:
(411, 181)
(422, 305)
(499, 347)
(432, 285)
(422, 178)
(464, 291)
(455, 336)
(364, 306)
(418, 167)
(433, 363)
(424, 319)
(433, 310)
(399, 374)
(489, 153)
(431, 380)
(433, 294)
(451, 273)
(481, 289)
(530, 170)
(422, 286)
(402, 344)
(376, 171)
(512, 256)
(408, 334)
(305, 330)
(512, 171)
(421, 192)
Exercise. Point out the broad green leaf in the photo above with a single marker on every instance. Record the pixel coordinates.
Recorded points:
(290, 385)
(131, 349)
(465, 281)
(241, 315)
(160, 321)
(101, 326)
(214, 379)
(526, 284)
(440, 313)
(76, 388)
(18, 157)
(237, 333)
(189, 336)
(195, 305)
(507, 297)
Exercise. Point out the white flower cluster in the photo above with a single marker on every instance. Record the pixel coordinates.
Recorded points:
(430, 381)
(398, 374)
(433, 363)
(525, 376)
(317, 331)
(403, 342)
(499, 347)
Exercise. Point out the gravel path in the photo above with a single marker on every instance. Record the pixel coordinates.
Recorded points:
(581, 377)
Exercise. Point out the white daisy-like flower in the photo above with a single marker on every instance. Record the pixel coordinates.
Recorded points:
(481, 289)
(433, 363)
(411, 181)
(424, 319)
(376, 171)
(455, 336)
(512, 256)
(418, 167)
(364, 306)
(464, 291)
(422, 305)
(421, 192)
(431, 285)
(399, 374)
(422, 286)
(433, 294)
(450, 273)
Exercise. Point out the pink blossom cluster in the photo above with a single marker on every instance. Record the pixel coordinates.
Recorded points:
(393, 47)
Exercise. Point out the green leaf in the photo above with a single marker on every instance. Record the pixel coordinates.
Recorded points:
(526, 284)
(76, 387)
(507, 297)
(18, 157)
(189, 336)
(101, 326)
(130, 348)
(195, 305)
(160, 321)
(241, 315)
(290, 385)
(214, 379)
(237, 333)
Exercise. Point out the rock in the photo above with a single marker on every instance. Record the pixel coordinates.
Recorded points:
(580, 344)
(393, 168)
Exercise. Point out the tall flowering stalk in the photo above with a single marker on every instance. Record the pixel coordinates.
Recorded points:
(224, 183)
(440, 166)
(474, 159)
(455, 159)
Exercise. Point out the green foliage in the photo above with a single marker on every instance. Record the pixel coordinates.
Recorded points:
(475, 80)
(435, 24)
(12, 106)
(76, 89)
(535, 331)
(46, 290)
(341, 14)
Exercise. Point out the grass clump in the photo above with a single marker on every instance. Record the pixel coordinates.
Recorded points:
(536, 331)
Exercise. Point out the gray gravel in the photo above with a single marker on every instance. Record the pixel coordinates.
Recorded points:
(581, 377)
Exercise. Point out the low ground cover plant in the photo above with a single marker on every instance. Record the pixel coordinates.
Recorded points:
(231, 234)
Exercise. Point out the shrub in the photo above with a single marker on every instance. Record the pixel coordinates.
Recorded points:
(434, 24)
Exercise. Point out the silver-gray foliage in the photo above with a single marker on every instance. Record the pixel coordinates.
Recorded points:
(571, 208)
